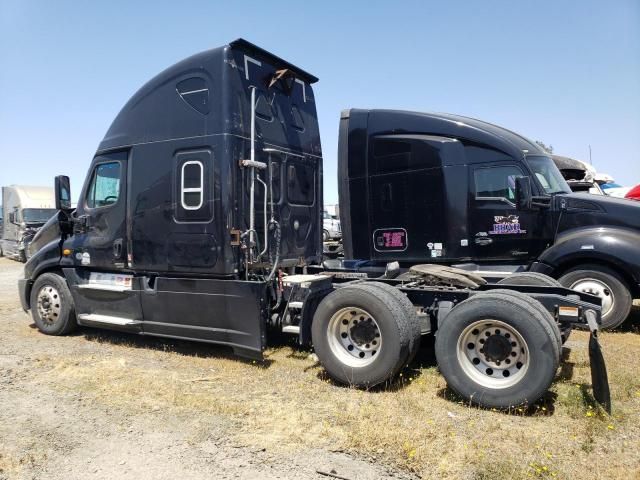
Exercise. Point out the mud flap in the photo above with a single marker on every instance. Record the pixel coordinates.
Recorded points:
(599, 378)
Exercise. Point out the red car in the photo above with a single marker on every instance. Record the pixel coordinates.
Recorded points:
(634, 193)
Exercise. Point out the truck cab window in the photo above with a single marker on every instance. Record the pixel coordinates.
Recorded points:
(548, 175)
(104, 189)
(191, 185)
(37, 215)
(497, 182)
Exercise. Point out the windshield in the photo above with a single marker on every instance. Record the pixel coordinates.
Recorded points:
(37, 215)
(548, 175)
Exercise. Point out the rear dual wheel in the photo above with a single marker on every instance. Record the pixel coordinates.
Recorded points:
(538, 280)
(497, 350)
(364, 334)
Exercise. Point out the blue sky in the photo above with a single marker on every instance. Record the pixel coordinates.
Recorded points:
(564, 72)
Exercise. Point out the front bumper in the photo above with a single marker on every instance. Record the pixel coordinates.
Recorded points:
(24, 290)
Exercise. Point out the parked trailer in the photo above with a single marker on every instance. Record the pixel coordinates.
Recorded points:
(201, 219)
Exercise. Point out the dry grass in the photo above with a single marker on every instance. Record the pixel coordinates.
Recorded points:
(11, 464)
(416, 424)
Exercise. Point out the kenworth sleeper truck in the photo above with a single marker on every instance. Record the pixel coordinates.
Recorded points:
(462, 192)
(201, 218)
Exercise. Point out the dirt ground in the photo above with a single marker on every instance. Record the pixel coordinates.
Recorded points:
(52, 428)
(102, 405)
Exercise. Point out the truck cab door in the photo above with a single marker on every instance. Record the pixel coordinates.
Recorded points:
(497, 230)
(103, 293)
(99, 240)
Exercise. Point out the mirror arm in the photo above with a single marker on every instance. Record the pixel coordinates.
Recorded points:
(541, 201)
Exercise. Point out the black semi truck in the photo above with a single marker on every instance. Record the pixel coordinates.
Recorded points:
(201, 218)
(452, 190)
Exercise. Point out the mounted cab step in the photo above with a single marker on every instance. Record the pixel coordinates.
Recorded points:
(116, 323)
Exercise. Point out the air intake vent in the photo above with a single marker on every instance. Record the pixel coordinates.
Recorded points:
(579, 204)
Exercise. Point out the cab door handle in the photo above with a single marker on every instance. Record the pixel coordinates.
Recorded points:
(482, 241)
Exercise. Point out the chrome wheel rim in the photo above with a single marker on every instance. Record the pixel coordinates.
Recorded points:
(354, 337)
(493, 354)
(597, 288)
(49, 303)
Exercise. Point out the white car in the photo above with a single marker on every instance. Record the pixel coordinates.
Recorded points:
(330, 227)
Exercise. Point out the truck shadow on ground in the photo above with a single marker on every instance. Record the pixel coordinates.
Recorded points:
(632, 324)
(546, 405)
(181, 347)
(425, 358)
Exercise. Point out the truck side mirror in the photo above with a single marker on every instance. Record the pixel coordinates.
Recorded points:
(12, 217)
(63, 193)
(523, 193)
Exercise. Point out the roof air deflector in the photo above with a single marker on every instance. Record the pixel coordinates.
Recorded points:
(249, 47)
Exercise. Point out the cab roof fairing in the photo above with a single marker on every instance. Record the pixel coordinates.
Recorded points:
(448, 125)
(158, 112)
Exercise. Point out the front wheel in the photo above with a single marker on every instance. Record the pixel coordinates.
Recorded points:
(606, 284)
(496, 351)
(52, 306)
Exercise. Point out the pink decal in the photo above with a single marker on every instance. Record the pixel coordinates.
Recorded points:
(393, 239)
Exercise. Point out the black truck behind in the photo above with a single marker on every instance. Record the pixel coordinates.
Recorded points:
(439, 188)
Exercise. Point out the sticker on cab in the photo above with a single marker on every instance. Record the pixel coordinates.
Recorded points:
(390, 240)
(506, 225)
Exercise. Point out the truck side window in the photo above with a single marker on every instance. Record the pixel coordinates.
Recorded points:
(497, 182)
(193, 188)
(104, 189)
(191, 185)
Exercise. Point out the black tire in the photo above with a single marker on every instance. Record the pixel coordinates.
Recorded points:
(530, 278)
(391, 326)
(50, 317)
(541, 280)
(409, 313)
(325, 236)
(498, 314)
(613, 286)
(537, 309)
